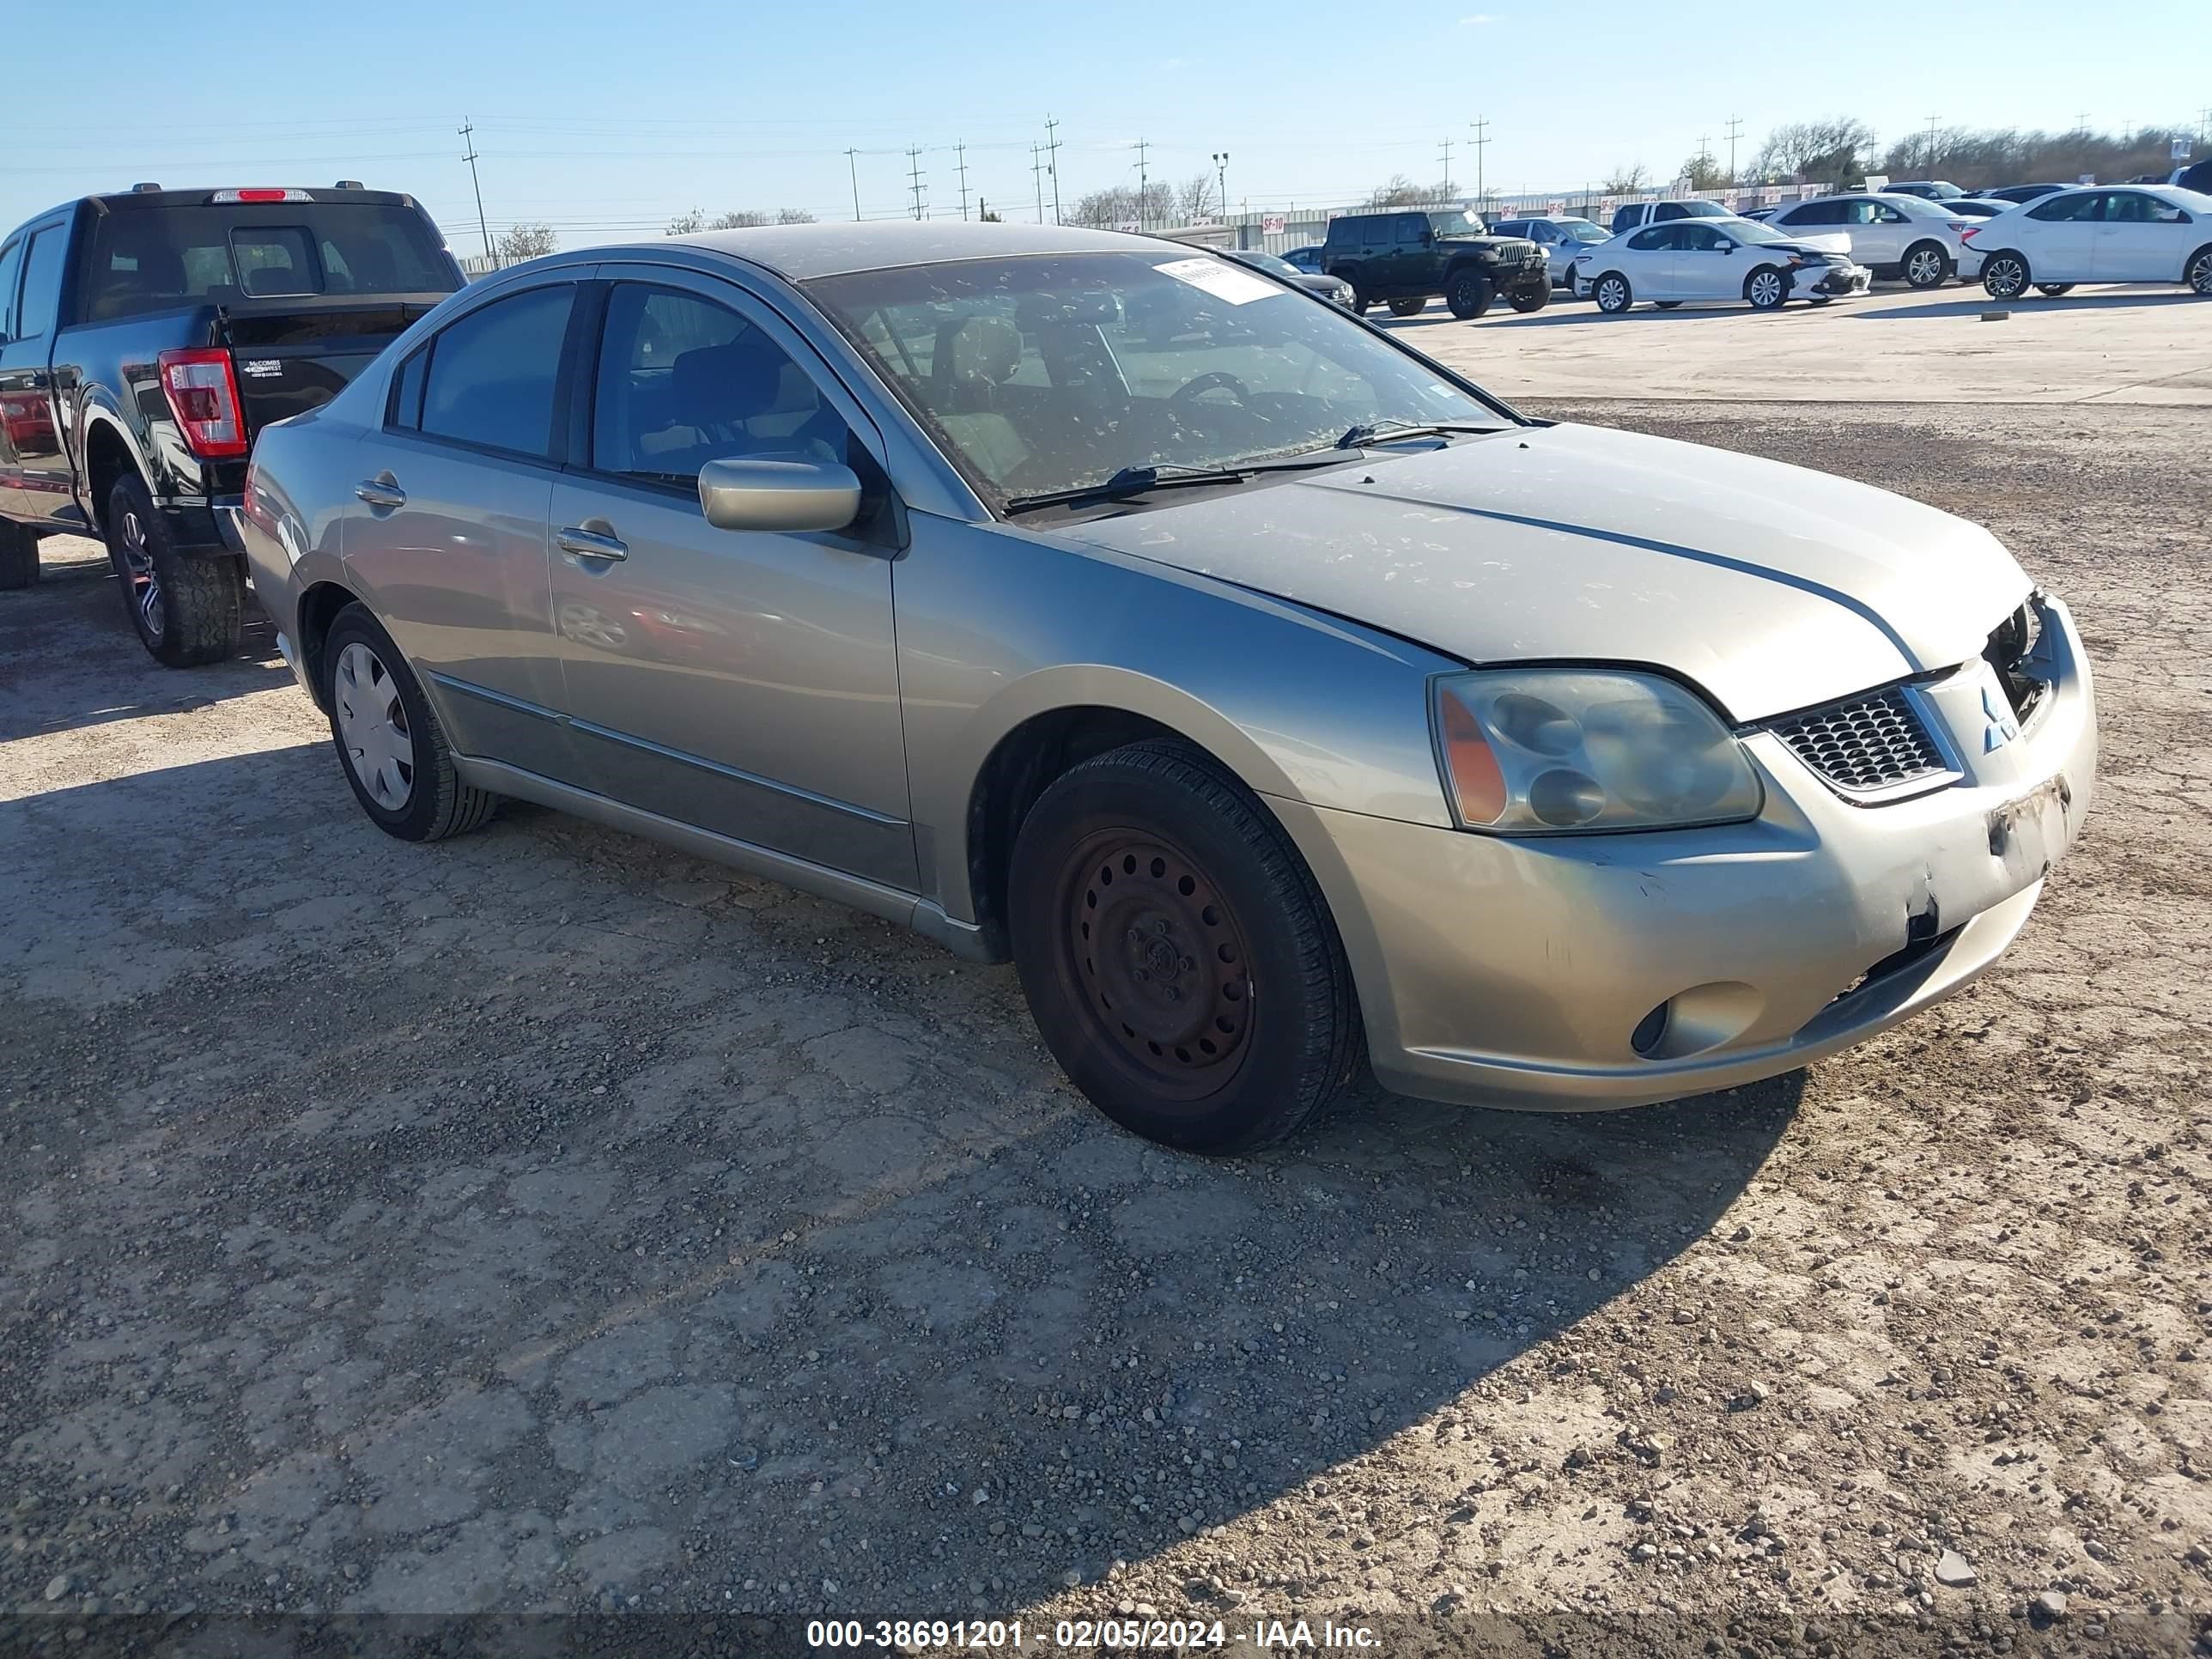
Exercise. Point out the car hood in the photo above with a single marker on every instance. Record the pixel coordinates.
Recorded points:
(1773, 587)
(1825, 242)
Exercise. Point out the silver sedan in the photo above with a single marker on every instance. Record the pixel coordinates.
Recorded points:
(1277, 701)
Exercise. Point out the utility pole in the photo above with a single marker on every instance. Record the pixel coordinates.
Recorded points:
(1932, 120)
(1481, 126)
(1734, 132)
(1052, 161)
(854, 167)
(1448, 144)
(1705, 146)
(468, 131)
(1036, 177)
(1221, 180)
(960, 152)
(1141, 146)
(914, 177)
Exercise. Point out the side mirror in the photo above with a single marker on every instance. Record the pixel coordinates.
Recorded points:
(1427, 237)
(748, 495)
(1727, 248)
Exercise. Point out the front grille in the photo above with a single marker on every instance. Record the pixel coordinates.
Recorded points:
(1870, 746)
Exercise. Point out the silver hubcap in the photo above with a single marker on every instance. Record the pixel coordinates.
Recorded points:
(2006, 278)
(1766, 289)
(1612, 296)
(138, 570)
(1926, 268)
(2200, 275)
(373, 728)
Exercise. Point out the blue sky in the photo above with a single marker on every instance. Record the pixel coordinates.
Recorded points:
(604, 119)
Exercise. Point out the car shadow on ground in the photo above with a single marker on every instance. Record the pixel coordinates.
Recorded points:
(2077, 302)
(72, 627)
(610, 1226)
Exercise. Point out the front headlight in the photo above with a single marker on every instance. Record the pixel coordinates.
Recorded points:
(1542, 752)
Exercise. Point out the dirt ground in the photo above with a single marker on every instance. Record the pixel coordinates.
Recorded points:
(547, 1220)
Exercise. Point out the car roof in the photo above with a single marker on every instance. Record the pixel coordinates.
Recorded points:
(801, 253)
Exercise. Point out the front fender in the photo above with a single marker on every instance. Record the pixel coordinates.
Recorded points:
(997, 626)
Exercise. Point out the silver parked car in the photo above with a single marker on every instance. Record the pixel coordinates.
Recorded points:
(1269, 694)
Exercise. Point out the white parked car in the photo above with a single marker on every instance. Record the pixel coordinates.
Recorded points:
(1894, 236)
(1716, 259)
(1560, 236)
(2128, 233)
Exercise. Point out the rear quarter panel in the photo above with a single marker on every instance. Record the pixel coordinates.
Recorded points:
(297, 494)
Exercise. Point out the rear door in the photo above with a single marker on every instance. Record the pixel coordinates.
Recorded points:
(745, 682)
(34, 474)
(448, 537)
(1648, 262)
(2139, 239)
(2061, 245)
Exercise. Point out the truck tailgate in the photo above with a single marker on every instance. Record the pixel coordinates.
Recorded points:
(293, 358)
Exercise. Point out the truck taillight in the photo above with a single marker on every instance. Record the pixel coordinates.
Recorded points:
(203, 395)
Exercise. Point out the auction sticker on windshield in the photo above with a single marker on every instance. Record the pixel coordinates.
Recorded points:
(1222, 281)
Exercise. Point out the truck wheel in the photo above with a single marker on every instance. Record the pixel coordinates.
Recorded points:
(19, 557)
(1411, 305)
(390, 745)
(187, 609)
(1532, 299)
(1468, 294)
(1177, 954)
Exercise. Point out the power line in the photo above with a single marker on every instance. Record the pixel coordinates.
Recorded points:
(468, 131)
(914, 175)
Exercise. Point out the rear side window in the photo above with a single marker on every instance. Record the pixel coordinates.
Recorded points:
(42, 284)
(1375, 232)
(2067, 208)
(158, 258)
(1653, 237)
(1816, 213)
(492, 373)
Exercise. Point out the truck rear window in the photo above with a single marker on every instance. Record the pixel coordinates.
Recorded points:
(153, 258)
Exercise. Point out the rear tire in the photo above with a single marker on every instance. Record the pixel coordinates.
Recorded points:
(1530, 300)
(2198, 273)
(1926, 265)
(1613, 294)
(2005, 275)
(1177, 956)
(1468, 294)
(1667, 305)
(1411, 305)
(391, 747)
(189, 609)
(2054, 289)
(19, 557)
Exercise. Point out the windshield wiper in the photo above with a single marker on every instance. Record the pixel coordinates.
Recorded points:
(1143, 480)
(1358, 437)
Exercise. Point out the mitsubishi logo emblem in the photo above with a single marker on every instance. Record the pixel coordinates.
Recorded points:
(1998, 726)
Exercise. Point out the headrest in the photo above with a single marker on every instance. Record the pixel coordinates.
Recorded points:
(985, 351)
(722, 384)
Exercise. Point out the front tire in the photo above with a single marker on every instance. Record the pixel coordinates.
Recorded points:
(189, 609)
(1468, 294)
(1177, 956)
(1360, 298)
(19, 557)
(391, 747)
(1667, 304)
(1612, 293)
(2004, 275)
(1411, 305)
(1768, 288)
(2198, 273)
(1926, 265)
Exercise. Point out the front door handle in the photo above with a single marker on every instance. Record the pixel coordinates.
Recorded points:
(591, 544)
(382, 491)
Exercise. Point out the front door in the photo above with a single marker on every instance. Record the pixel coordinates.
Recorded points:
(2140, 239)
(743, 682)
(1705, 265)
(447, 534)
(34, 474)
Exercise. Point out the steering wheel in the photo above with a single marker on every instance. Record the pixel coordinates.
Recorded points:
(1213, 380)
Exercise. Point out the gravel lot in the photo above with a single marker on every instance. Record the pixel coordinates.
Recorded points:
(547, 1220)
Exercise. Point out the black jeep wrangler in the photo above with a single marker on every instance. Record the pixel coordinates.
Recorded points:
(1404, 257)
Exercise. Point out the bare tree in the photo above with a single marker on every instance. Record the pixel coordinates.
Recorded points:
(1835, 151)
(793, 216)
(525, 242)
(688, 224)
(1193, 201)
(1396, 191)
(1703, 173)
(1626, 180)
(1106, 209)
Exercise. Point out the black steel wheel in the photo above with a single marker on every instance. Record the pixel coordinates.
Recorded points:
(1176, 955)
(1468, 294)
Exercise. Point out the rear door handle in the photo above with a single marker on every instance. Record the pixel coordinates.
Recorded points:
(591, 544)
(382, 491)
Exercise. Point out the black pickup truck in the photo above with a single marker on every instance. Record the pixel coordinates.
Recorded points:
(146, 337)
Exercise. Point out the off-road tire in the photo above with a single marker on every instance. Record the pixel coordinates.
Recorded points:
(1215, 900)
(187, 608)
(1468, 293)
(1528, 300)
(19, 557)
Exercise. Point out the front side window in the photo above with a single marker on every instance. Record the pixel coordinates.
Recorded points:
(42, 283)
(1699, 238)
(2132, 207)
(492, 373)
(682, 381)
(1055, 373)
(1412, 227)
